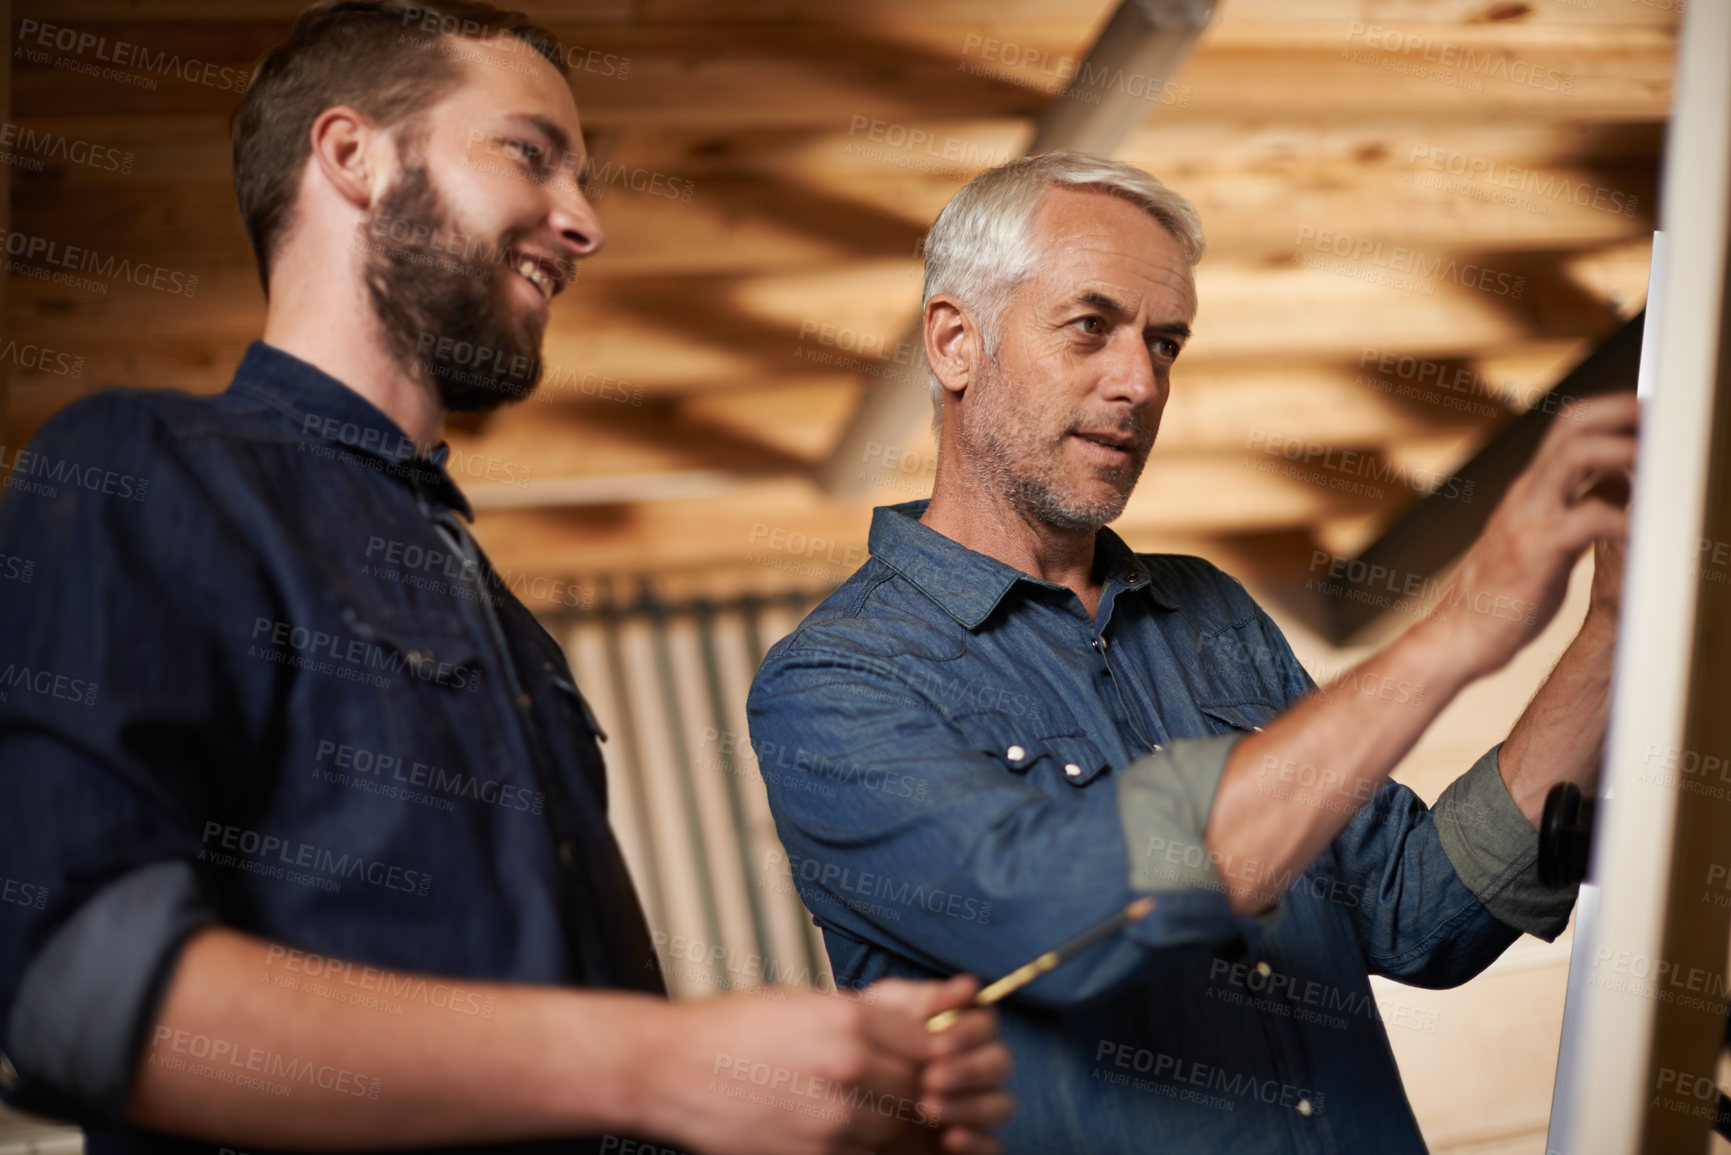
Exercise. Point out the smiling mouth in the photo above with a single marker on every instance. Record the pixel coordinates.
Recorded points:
(537, 274)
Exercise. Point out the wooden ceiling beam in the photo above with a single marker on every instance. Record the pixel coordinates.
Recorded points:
(192, 149)
(1177, 495)
(669, 331)
(1248, 15)
(1254, 213)
(752, 75)
(763, 224)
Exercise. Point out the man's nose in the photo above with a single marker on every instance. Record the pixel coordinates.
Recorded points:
(1131, 376)
(574, 219)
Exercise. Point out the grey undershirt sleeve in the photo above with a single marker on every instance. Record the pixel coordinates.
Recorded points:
(1495, 851)
(89, 999)
(1164, 799)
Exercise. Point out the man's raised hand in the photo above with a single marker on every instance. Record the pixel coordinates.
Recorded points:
(1512, 580)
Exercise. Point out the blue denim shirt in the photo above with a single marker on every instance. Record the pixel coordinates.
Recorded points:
(254, 671)
(1007, 772)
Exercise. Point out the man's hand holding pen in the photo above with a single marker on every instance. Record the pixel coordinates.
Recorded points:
(842, 1076)
(961, 1084)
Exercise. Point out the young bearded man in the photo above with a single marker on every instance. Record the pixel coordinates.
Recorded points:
(1029, 726)
(317, 833)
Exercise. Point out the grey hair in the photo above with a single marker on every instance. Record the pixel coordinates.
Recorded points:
(979, 249)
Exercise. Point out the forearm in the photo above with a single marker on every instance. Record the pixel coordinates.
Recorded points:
(1287, 791)
(1560, 737)
(234, 1030)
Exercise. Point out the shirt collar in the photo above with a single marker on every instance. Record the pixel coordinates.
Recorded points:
(321, 406)
(968, 585)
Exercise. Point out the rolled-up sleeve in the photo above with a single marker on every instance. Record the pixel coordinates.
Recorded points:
(1495, 850)
(1164, 800)
(120, 713)
(917, 842)
(87, 1000)
(1439, 892)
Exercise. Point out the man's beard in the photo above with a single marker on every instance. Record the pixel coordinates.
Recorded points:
(1016, 460)
(444, 316)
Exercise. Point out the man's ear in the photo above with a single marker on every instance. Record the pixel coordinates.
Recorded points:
(953, 345)
(351, 153)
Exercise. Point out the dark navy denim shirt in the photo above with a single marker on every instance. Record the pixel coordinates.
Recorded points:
(254, 671)
(1008, 772)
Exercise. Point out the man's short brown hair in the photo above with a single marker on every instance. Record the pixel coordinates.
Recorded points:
(388, 59)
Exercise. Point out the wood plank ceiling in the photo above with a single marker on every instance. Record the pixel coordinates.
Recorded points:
(1466, 184)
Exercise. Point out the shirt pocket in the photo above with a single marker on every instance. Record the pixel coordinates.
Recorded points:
(1252, 714)
(432, 705)
(424, 646)
(1070, 757)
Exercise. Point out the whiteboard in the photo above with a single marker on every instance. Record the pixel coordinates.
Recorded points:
(1570, 1068)
(1601, 1092)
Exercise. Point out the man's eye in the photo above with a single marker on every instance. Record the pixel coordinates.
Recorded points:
(523, 150)
(1166, 347)
(1093, 326)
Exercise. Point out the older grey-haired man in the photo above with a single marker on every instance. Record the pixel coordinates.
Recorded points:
(1029, 725)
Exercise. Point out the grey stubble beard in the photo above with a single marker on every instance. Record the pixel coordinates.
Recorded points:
(1021, 465)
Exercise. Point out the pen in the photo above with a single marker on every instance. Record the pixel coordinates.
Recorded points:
(1063, 952)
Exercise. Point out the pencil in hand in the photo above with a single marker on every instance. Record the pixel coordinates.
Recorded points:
(1050, 960)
